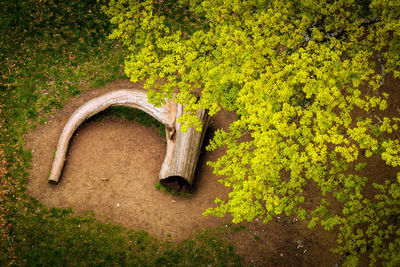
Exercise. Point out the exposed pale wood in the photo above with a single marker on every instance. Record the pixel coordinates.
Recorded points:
(130, 98)
(179, 166)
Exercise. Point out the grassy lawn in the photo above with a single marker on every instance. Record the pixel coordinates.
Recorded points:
(49, 52)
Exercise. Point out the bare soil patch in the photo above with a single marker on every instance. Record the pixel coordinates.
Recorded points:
(112, 168)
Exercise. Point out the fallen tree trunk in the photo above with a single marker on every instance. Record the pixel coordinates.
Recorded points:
(183, 149)
(178, 169)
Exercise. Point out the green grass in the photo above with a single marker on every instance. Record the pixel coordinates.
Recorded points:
(131, 114)
(172, 191)
(49, 52)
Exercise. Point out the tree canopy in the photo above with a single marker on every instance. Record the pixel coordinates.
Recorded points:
(306, 80)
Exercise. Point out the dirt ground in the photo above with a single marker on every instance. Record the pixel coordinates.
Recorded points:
(112, 168)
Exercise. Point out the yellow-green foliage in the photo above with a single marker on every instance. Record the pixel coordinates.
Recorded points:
(305, 79)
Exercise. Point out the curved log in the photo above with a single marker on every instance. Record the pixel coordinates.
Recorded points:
(183, 149)
(130, 98)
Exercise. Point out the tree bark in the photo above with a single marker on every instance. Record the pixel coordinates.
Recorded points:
(179, 166)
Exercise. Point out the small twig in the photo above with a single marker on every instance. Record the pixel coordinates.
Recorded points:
(341, 260)
(368, 22)
(329, 35)
(383, 72)
(376, 117)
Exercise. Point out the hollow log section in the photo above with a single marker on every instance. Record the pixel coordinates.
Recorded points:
(179, 166)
